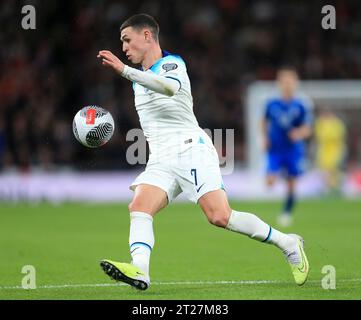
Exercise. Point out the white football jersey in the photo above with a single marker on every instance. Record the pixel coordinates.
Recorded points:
(167, 122)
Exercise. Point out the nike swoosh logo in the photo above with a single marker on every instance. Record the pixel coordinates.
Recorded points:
(302, 268)
(200, 188)
(134, 250)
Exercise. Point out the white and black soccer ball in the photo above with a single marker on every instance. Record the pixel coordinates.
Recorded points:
(93, 126)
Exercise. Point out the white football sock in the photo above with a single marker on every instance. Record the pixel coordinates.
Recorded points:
(141, 239)
(252, 226)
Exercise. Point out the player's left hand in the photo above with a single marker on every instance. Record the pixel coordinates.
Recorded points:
(300, 133)
(110, 60)
(295, 135)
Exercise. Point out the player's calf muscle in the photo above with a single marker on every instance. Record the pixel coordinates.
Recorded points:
(215, 206)
(145, 205)
(148, 199)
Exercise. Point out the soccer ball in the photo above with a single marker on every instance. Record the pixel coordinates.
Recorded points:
(93, 126)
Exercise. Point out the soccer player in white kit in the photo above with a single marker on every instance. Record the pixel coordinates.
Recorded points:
(182, 157)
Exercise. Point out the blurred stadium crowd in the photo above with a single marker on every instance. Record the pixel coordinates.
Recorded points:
(49, 73)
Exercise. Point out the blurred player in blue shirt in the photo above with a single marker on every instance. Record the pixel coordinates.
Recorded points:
(286, 125)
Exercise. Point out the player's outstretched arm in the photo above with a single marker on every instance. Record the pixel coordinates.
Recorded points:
(154, 82)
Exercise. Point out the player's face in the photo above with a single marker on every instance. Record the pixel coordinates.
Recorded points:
(287, 82)
(134, 44)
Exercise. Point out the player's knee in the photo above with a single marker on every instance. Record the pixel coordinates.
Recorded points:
(291, 185)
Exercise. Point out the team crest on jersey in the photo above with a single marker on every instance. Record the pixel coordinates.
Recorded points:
(169, 66)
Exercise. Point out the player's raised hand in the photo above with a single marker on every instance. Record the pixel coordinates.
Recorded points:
(110, 60)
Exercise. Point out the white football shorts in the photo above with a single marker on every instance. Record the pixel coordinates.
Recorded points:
(194, 171)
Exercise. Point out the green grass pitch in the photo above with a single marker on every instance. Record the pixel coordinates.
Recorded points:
(191, 259)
